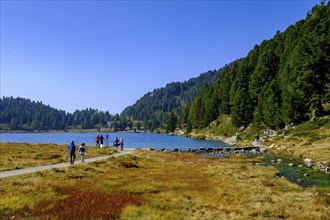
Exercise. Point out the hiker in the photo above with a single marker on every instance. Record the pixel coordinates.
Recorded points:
(97, 140)
(82, 149)
(116, 142)
(121, 142)
(257, 139)
(72, 150)
(101, 140)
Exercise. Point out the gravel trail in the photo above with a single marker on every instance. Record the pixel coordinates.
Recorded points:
(60, 165)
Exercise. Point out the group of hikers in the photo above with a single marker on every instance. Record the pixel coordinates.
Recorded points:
(99, 142)
(116, 142)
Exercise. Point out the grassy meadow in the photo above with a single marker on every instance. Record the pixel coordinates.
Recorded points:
(161, 185)
(22, 155)
(310, 139)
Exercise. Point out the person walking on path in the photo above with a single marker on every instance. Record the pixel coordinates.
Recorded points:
(257, 139)
(121, 142)
(101, 140)
(72, 150)
(97, 140)
(82, 149)
(116, 142)
(27, 170)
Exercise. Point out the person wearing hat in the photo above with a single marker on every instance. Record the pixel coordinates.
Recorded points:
(72, 150)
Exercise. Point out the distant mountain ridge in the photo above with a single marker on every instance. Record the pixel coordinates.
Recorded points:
(151, 110)
(24, 114)
(154, 108)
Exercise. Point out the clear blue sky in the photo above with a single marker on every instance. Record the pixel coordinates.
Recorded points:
(108, 54)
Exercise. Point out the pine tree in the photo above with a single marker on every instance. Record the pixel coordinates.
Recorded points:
(171, 122)
(241, 111)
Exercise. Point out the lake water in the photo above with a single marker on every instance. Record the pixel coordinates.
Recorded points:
(131, 140)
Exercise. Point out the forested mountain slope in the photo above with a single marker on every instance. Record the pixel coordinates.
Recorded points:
(24, 114)
(284, 80)
(154, 108)
(151, 111)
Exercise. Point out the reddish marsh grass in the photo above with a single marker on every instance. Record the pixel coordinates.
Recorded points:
(80, 204)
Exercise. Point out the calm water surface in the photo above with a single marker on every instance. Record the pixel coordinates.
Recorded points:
(131, 140)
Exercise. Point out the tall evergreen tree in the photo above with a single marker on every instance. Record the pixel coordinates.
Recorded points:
(241, 111)
(171, 123)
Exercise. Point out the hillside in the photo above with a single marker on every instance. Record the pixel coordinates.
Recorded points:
(283, 81)
(154, 107)
(280, 90)
(24, 114)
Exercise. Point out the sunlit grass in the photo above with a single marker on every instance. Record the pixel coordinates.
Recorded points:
(310, 139)
(159, 185)
(22, 155)
(314, 145)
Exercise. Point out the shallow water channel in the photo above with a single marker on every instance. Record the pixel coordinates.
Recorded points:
(295, 171)
(292, 169)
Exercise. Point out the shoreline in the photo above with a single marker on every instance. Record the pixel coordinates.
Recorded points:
(75, 131)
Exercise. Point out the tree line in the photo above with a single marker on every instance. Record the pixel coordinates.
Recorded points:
(154, 109)
(284, 80)
(24, 114)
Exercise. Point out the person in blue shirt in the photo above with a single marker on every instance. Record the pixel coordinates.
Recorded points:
(72, 150)
(116, 142)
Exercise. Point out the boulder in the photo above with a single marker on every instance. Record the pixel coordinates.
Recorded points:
(323, 166)
(272, 146)
(272, 132)
(308, 162)
(232, 140)
(263, 149)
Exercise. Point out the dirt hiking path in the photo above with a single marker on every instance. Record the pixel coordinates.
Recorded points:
(60, 165)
